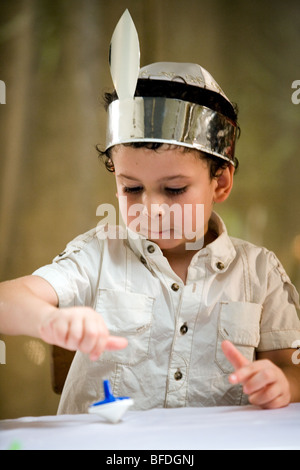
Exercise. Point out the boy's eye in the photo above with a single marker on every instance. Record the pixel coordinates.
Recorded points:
(135, 189)
(138, 189)
(176, 191)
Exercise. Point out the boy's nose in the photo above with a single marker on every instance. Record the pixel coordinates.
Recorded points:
(153, 208)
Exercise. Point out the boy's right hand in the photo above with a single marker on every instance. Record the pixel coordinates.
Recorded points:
(80, 328)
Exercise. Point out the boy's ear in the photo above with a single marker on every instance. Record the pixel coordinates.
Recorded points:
(224, 184)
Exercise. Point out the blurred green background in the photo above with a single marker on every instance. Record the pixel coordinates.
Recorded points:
(54, 62)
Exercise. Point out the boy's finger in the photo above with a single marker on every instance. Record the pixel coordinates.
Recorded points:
(116, 342)
(113, 343)
(233, 355)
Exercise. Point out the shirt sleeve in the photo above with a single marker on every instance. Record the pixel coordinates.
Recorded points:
(280, 324)
(74, 273)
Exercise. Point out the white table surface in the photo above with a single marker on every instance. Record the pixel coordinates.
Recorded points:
(244, 427)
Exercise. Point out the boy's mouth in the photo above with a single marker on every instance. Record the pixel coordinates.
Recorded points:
(165, 234)
(160, 234)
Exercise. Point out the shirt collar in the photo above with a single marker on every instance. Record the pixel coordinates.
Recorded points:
(219, 253)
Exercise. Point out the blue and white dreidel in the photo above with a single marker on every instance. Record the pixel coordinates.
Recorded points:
(111, 408)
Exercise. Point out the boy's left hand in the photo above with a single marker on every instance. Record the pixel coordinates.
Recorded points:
(263, 381)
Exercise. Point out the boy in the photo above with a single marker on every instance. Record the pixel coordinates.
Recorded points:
(169, 326)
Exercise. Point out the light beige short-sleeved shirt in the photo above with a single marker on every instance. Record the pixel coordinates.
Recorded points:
(234, 290)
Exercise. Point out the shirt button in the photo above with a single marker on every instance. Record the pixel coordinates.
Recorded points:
(150, 249)
(220, 265)
(142, 259)
(175, 286)
(178, 375)
(184, 329)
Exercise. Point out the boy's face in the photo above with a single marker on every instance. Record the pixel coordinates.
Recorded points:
(160, 192)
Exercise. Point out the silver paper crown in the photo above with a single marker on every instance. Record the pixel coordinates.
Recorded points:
(158, 119)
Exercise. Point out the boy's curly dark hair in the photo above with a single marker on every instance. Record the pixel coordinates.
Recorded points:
(182, 91)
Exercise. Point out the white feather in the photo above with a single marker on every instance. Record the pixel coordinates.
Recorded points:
(124, 57)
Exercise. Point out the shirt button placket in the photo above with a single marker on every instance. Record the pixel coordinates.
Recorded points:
(186, 314)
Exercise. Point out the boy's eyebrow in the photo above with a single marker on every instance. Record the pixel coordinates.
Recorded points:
(126, 176)
(167, 178)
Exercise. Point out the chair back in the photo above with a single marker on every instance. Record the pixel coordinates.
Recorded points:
(61, 360)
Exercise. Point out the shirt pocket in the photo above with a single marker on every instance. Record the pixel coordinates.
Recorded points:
(126, 314)
(238, 322)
